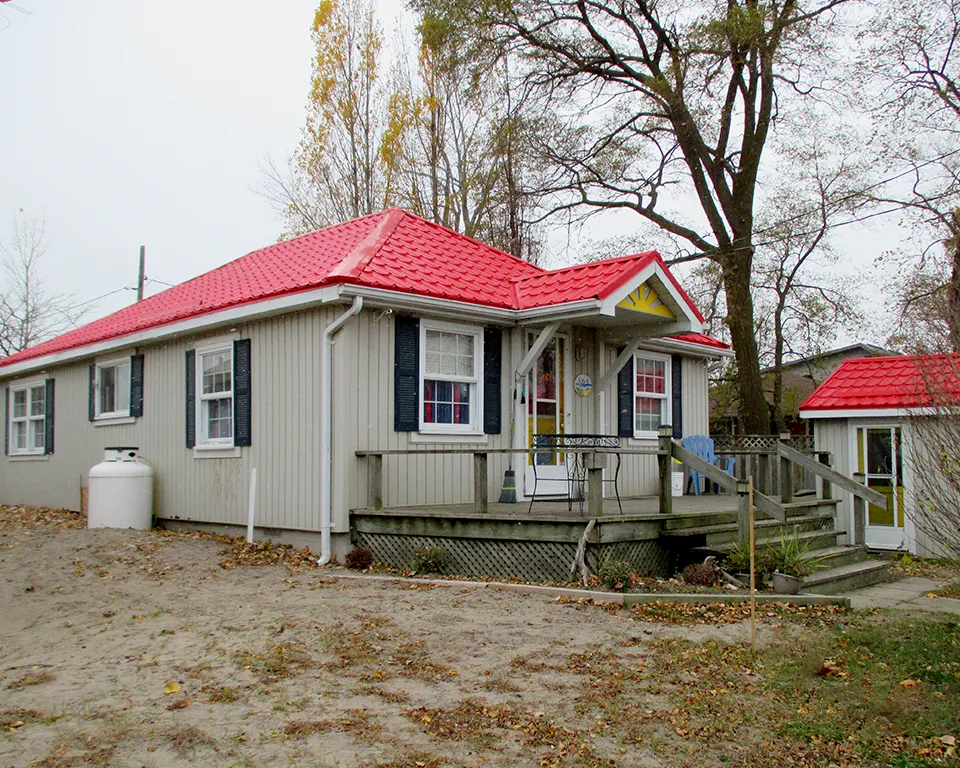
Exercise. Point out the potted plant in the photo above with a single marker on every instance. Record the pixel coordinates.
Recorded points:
(789, 557)
(737, 562)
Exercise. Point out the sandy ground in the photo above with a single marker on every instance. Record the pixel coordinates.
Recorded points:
(134, 649)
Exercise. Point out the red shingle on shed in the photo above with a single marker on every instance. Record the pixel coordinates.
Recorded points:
(876, 383)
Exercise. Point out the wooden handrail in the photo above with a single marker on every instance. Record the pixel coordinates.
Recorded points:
(834, 477)
(481, 449)
(727, 481)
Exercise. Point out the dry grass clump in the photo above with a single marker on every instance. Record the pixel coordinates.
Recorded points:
(38, 677)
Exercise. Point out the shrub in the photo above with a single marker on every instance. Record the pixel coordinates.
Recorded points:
(429, 559)
(616, 574)
(359, 559)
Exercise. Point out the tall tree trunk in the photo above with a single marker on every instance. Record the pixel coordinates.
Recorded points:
(753, 410)
(952, 245)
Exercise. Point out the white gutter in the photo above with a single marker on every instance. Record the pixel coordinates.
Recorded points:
(326, 428)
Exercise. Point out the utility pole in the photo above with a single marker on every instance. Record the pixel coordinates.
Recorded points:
(140, 278)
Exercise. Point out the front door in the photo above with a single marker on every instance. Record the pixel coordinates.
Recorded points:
(546, 401)
(880, 458)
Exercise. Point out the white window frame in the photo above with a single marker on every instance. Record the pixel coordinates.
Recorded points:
(667, 396)
(116, 414)
(475, 427)
(202, 440)
(20, 387)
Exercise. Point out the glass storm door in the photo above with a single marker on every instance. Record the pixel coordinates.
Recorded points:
(545, 416)
(880, 458)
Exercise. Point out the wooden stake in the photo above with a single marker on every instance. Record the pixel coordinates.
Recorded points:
(753, 579)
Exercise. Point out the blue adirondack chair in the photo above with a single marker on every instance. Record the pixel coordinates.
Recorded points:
(704, 448)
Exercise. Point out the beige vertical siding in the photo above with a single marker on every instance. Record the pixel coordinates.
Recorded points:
(364, 384)
(833, 436)
(286, 427)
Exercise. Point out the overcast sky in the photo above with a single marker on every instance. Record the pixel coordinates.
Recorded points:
(143, 123)
(132, 123)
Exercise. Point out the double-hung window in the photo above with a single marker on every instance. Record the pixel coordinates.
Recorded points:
(215, 396)
(449, 376)
(651, 393)
(28, 423)
(113, 389)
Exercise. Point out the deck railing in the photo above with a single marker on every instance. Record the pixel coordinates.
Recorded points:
(784, 457)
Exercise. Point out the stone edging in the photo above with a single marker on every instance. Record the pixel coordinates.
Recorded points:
(609, 597)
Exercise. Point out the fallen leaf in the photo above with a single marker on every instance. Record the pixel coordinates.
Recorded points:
(171, 688)
(908, 683)
(950, 741)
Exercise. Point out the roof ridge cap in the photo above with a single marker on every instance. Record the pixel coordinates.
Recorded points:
(354, 264)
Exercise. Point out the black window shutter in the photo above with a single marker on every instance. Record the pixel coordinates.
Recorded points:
(676, 394)
(492, 362)
(406, 374)
(136, 385)
(92, 395)
(48, 417)
(241, 392)
(6, 421)
(191, 420)
(625, 404)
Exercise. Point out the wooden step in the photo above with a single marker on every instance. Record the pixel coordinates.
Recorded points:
(830, 557)
(818, 539)
(760, 525)
(843, 578)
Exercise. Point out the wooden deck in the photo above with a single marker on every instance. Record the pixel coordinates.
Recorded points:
(643, 507)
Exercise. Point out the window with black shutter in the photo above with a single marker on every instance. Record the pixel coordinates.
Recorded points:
(406, 374)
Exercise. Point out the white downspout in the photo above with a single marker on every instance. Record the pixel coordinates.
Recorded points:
(326, 427)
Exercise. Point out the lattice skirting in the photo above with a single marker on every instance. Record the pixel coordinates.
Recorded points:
(528, 560)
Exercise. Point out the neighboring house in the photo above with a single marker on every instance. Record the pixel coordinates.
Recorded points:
(818, 367)
(875, 415)
(800, 378)
(383, 333)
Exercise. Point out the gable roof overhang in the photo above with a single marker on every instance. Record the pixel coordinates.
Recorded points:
(646, 295)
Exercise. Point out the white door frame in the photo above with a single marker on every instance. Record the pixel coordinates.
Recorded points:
(881, 537)
(548, 481)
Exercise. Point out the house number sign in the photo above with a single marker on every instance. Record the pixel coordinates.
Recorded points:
(582, 385)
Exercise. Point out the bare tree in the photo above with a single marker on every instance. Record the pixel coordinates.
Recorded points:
(29, 313)
(934, 449)
(911, 74)
(649, 103)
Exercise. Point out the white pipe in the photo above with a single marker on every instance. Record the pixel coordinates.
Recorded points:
(253, 504)
(326, 428)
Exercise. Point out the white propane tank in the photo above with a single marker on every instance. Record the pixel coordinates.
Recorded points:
(121, 491)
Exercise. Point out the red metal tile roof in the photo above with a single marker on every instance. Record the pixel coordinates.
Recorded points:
(393, 250)
(873, 383)
(702, 339)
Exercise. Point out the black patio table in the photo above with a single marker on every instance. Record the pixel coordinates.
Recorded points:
(574, 448)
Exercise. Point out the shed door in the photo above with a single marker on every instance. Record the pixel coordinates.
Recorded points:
(880, 458)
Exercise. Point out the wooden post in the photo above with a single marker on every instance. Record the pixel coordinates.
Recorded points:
(753, 578)
(786, 474)
(744, 513)
(375, 480)
(763, 469)
(595, 492)
(826, 488)
(480, 483)
(665, 459)
(859, 514)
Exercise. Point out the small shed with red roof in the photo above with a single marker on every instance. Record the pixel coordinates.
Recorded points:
(385, 333)
(878, 417)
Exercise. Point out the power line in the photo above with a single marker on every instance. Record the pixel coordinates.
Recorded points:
(111, 293)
